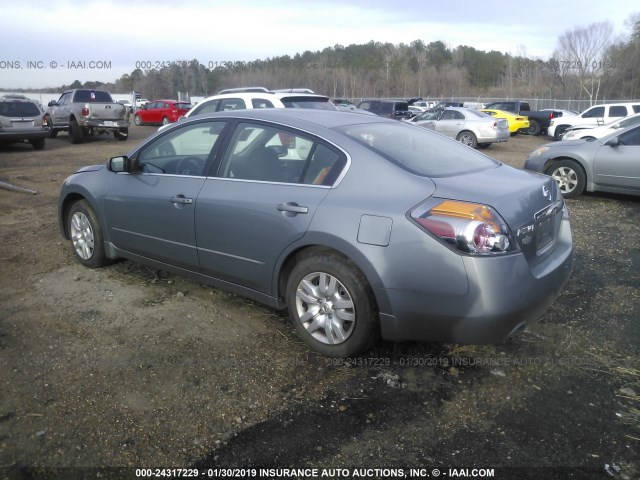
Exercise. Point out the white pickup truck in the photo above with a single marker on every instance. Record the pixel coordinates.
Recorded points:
(84, 112)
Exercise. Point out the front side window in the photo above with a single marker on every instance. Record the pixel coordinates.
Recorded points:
(596, 112)
(272, 154)
(183, 151)
(631, 138)
(206, 107)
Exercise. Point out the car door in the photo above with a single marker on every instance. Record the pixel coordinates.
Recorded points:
(451, 123)
(269, 186)
(619, 166)
(150, 210)
(61, 111)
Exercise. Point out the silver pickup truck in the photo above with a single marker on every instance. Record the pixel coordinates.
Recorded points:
(84, 112)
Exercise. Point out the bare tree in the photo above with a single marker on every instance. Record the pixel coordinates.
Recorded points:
(582, 50)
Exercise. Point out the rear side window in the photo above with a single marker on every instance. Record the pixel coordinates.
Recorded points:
(418, 150)
(271, 154)
(232, 104)
(261, 103)
(618, 111)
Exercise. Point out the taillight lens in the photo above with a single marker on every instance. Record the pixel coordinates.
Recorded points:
(84, 112)
(467, 227)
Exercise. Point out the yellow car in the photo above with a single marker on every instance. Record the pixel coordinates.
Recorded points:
(516, 122)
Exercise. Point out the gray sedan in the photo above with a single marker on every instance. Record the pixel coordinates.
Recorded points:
(471, 127)
(607, 164)
(361, 227)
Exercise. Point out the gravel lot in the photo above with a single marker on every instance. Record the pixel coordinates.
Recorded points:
(128, 367)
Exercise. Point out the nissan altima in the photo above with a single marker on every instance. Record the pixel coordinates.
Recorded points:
(607, 164)
(361, 227)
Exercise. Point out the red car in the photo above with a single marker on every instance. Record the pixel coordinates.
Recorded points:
(161, 111)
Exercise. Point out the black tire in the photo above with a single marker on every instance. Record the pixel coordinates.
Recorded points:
(468, 138)
(86, 236)
(165, 121)
(75, 132)
(355, 328)
(559, 131)
(534, 128)
(121, 134)
(569, 176)
(52, 133)
(38, 144)
(136, 120)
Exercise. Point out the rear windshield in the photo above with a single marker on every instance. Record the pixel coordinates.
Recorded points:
(19, 109)
(92, 96)
(417, 149)
(308, 102)
(185, 106)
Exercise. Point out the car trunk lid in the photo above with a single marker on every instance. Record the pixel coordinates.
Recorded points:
(529, 203)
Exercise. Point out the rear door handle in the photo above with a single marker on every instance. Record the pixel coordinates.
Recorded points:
(292, 207)
(182, 200)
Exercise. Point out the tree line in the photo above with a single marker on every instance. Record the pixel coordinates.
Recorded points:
(587, 64)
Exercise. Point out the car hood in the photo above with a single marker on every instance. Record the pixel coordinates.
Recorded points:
(91, 168)
(515, 194)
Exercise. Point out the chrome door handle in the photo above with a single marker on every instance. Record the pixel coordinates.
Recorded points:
(292, 207)
(182, 200)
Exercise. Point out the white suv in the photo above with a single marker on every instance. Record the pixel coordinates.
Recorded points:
(244, 100)
(596, 115)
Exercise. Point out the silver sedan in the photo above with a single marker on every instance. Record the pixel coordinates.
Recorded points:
(607, 164)
(471, 127)
(361, 227)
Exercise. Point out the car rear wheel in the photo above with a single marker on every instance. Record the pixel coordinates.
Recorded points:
(468, 138)
(569, 176)
(534, 127)
(86, 235)
(331, 306)
(75, 132)
(38, 144)
(136, 120)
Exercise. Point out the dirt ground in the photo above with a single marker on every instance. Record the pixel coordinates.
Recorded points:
(128, 367)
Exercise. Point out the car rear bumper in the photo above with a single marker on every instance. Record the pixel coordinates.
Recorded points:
(20, 134)
(106, 124)
(504, 294)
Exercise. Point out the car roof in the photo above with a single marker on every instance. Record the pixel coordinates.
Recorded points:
(320, 118)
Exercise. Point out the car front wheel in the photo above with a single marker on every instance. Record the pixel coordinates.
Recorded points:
(331, 306)
(86, 235)
(569, 176)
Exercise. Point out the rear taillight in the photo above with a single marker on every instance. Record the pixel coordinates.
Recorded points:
(44, 121)
(467, 227)
(84, 112)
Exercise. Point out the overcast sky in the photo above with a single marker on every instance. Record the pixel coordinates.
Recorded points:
(50, 43)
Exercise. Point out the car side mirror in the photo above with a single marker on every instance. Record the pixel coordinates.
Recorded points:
(614, 142)
(52, 103)
(118, 164)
